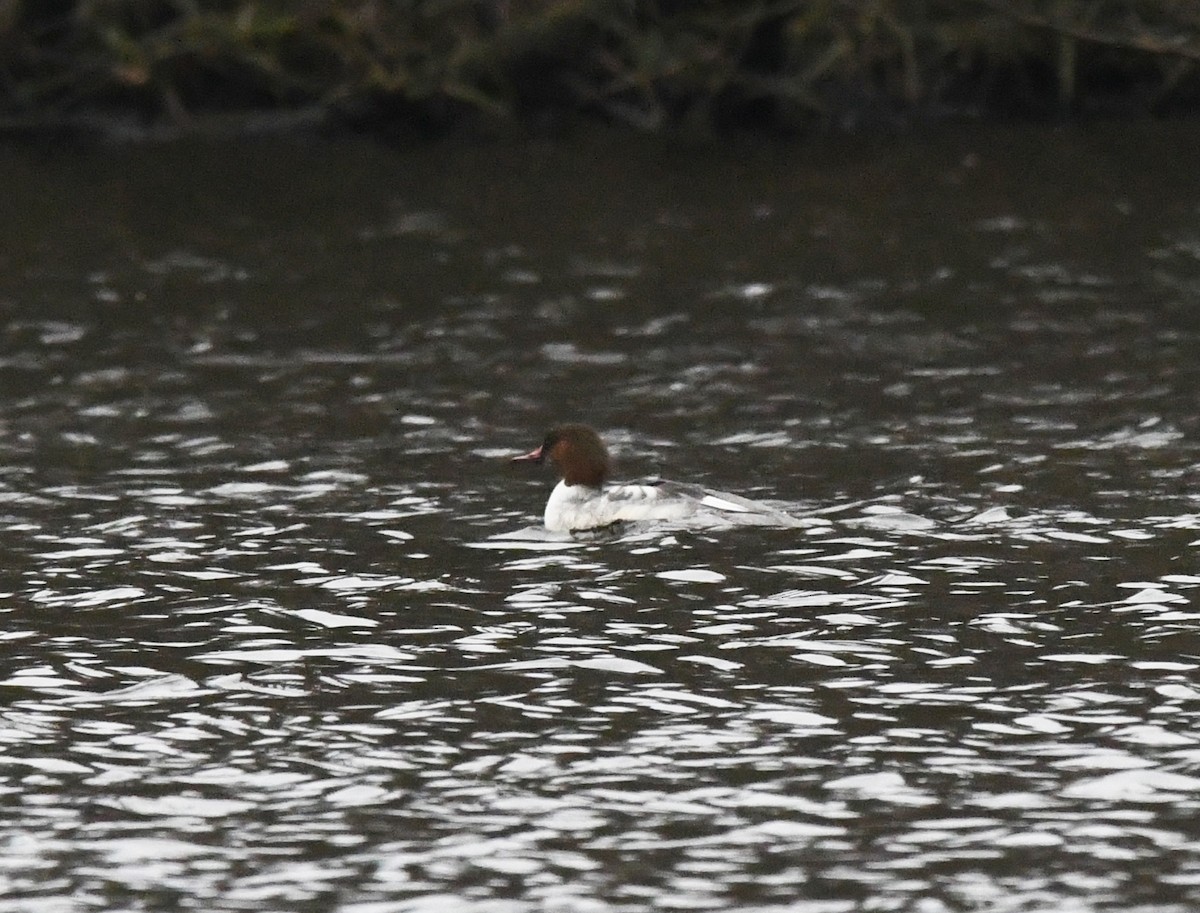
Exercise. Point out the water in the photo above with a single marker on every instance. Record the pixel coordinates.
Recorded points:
(268, 640)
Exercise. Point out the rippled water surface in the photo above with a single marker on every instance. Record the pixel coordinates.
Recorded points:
(280, 631)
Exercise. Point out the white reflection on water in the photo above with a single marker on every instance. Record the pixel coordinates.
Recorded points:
(282, 633)
(711, 709)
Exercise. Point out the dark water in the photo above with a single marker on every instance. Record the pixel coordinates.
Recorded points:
(261, 649)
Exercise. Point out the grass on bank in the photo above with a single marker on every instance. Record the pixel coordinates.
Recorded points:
(651, 64)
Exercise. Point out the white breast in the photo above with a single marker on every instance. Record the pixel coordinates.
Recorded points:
(585, 507)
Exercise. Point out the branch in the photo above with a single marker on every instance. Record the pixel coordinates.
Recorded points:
(1144, 42)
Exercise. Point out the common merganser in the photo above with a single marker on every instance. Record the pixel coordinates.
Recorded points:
(583, 498)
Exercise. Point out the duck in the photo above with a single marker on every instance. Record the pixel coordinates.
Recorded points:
(585, 499)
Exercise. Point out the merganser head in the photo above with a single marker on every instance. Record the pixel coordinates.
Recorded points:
(576, 450)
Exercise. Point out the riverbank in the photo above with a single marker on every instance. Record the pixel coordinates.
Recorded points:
(134, 69)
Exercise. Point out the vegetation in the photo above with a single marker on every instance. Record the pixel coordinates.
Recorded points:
(652, 64)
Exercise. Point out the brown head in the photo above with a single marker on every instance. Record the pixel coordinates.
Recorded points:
(576, 450)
